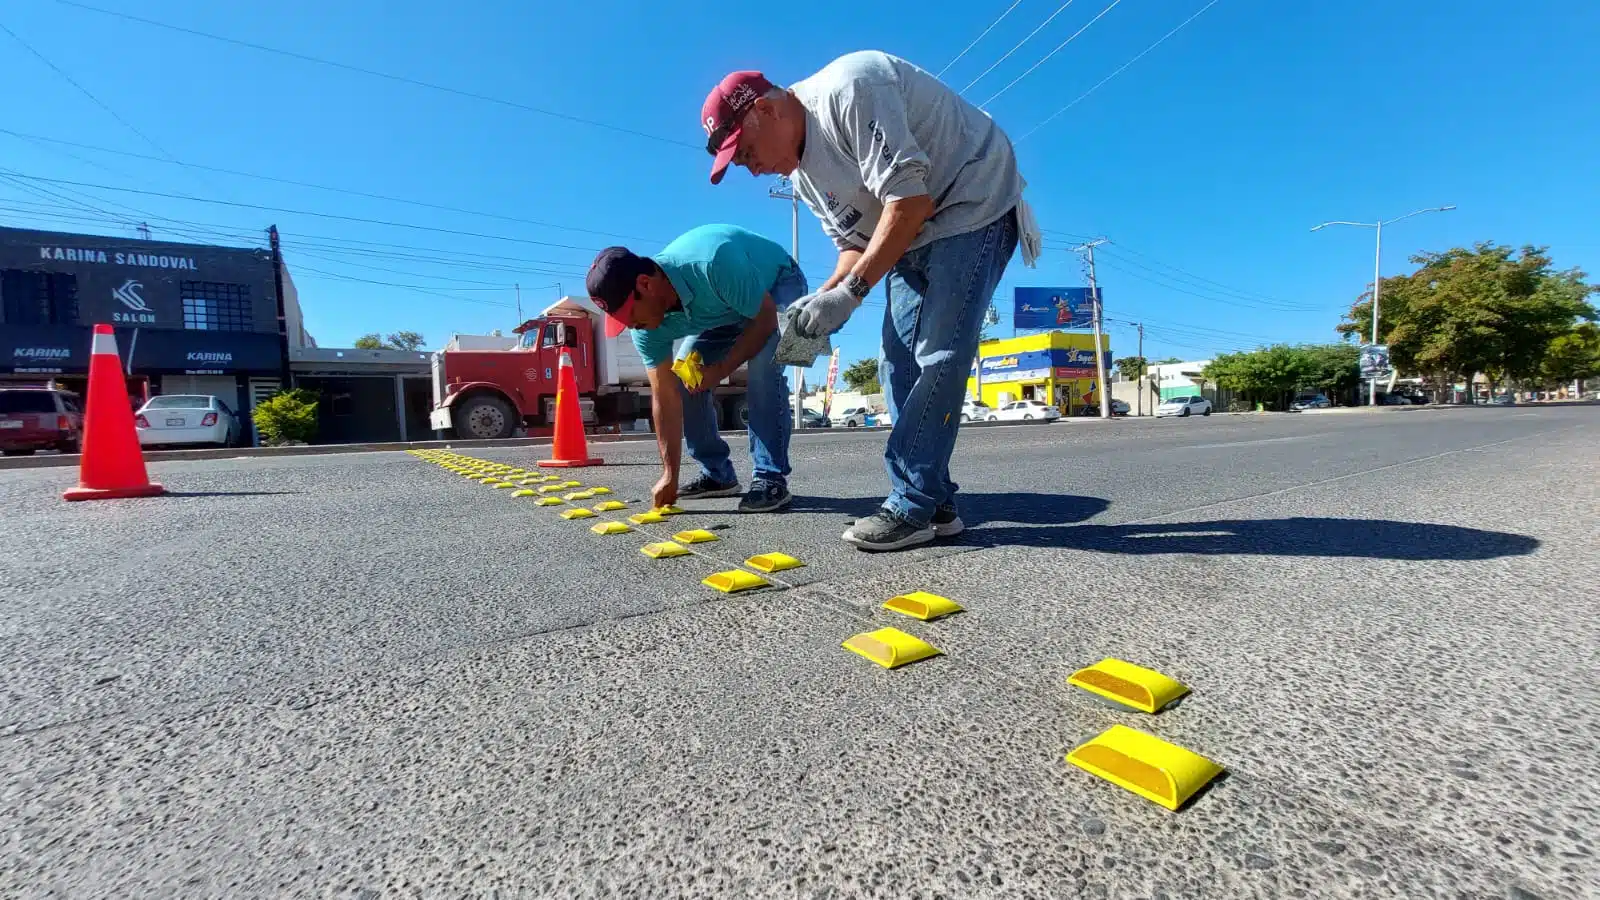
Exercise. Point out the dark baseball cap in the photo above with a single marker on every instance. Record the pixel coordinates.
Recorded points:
(612, 278)
(722, 112)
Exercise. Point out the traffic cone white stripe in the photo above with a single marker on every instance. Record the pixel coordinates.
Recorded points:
(104, 343)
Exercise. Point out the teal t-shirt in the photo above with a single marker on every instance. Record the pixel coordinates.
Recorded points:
(721, 274)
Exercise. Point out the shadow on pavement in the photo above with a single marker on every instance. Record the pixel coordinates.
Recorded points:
(1020, 508)
(227, 493)
(1359, 538)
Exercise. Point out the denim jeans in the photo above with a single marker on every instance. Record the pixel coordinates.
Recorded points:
(938, 295)
(767, 397)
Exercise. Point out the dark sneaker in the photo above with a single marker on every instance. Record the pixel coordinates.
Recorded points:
(765, 496)
(946, 523)
(882, 531)
(706, 486)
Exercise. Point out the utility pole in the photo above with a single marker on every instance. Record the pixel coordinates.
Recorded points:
(518, 286)
(784, 190)
(1144, 368)
(1094, 297)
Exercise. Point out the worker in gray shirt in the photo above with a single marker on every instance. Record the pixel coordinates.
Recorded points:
(911, 183)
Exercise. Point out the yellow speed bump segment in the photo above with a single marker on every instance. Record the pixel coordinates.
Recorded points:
(647, 518)
(735, 580)
(597, 491)
(504, 484)
(922, 605)
(525, 492)
(668, 510)
(579, 513)
(549, 501)
(891, 647)
(1123, 682)
(611, 528)
(664, 550)
(695, 536)
(567, 484)
(773, 562)
(578, 495)
(1145, 764)
(609, 506)
(550, 489)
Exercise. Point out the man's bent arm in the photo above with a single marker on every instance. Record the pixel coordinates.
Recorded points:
(847, 261)
(749, 342)
(666, 406)
(901, 221)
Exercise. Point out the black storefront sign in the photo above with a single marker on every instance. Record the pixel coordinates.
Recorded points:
(64, 349)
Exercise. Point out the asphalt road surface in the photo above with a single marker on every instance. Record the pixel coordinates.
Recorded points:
(363, 676)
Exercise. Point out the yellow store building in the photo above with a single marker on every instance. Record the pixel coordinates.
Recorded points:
(1055, 367)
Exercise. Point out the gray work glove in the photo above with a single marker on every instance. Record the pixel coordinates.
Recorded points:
(825, 311)
(793, 348)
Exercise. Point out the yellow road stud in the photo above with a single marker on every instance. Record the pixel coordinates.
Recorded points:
(579, 513)
(735, 580)
(550, 489)
(567, 484)
(891, 647)
(922, 605)
(664, 550)
(773, 562)
(549, 501)
(525, 492)
(694, 536)
(578, 495)
(600, 490)
(504, 484)
(1145, 764)
(1123, 682)
(611, 528)
(647, 518)
(609, 505)
(668, 510)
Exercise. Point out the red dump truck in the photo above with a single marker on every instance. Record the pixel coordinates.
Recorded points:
(487, 386)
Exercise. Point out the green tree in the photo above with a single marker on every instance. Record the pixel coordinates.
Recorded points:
(862, 376)
(1332, 369)
(405, 340)
(287, 417)
(1488, 309)
(369, 342)
(1574, 356)
(1132, 367)
(1268, 373)
(1168, 361)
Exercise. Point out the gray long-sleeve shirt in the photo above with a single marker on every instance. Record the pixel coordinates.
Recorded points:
(880, 129)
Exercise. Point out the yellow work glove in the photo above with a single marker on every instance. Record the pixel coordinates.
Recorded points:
(688, 370)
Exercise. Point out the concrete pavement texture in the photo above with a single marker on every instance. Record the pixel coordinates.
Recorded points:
(363, 676)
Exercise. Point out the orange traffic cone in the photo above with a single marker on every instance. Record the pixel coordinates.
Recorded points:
(112, 464)
(571, 448)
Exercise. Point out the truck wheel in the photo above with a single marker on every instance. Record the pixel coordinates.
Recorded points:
(484, 418)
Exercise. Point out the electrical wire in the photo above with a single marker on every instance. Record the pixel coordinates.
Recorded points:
(1042, 61)
(1059, 10)
(1118, 71)
(1014, 5)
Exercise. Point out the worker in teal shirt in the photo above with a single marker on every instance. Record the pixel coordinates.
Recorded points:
(719, 288)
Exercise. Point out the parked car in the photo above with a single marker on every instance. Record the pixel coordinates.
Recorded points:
(186, 419)
(1309, 401)
(1386, 399)
(975, 411)
(1503, 400)
(1092, 410)
(1024, 409)
(813, 419)
(33, 419)
(852, 417)
(1184, 406)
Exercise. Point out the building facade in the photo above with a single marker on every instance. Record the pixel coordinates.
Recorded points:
(190, 318)
(1054, 367)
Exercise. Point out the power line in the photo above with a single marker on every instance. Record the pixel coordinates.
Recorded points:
(324, 187)
(975, 40)
(1172, 284)
(375, 73)
(405, 287)
(1042, 61)
(1190, 276)
(1118, 71)
(1040, 27)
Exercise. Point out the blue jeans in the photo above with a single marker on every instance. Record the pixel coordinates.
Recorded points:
(938, 295)
(767, 397)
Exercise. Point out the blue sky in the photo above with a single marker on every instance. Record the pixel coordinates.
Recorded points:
(1206, 162)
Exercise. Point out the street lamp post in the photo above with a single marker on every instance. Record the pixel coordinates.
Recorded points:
(784, 190)
(1377, 273)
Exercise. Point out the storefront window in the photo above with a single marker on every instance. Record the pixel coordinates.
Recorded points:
(39, 298)
(214, 306)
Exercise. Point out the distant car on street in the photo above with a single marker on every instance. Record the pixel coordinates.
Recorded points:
(975, 411)
(186, 419)
(1022, 410)
(1310, 401)
(1092, 410)
(1183, 407)
(39, 418)
(1503, 400)
(813, 419)
(852, 417)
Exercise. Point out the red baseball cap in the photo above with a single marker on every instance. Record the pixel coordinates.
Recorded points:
(722, 113)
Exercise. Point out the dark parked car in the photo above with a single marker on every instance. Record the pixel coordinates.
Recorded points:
(813, 419)
(1309, 401)
(39, 419)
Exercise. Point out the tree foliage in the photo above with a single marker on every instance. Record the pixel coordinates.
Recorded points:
(1272, 373)
(1488, 309)
(862, 376)
(400, 340)
(369, 342)
(1573, 356)
(1132, 367)
(287, 417)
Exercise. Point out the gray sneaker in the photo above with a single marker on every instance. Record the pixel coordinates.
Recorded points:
(946, 523)
(882, 531)
(765, 496)
(705, 486)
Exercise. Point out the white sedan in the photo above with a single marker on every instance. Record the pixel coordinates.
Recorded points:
(1184, 406)
(186, 419)
(1024, 409)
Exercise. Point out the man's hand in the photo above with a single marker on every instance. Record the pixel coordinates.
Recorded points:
(825, 311)
(711, 375)
(665, 493)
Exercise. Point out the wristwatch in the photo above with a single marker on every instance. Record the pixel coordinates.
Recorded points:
(857, 286)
